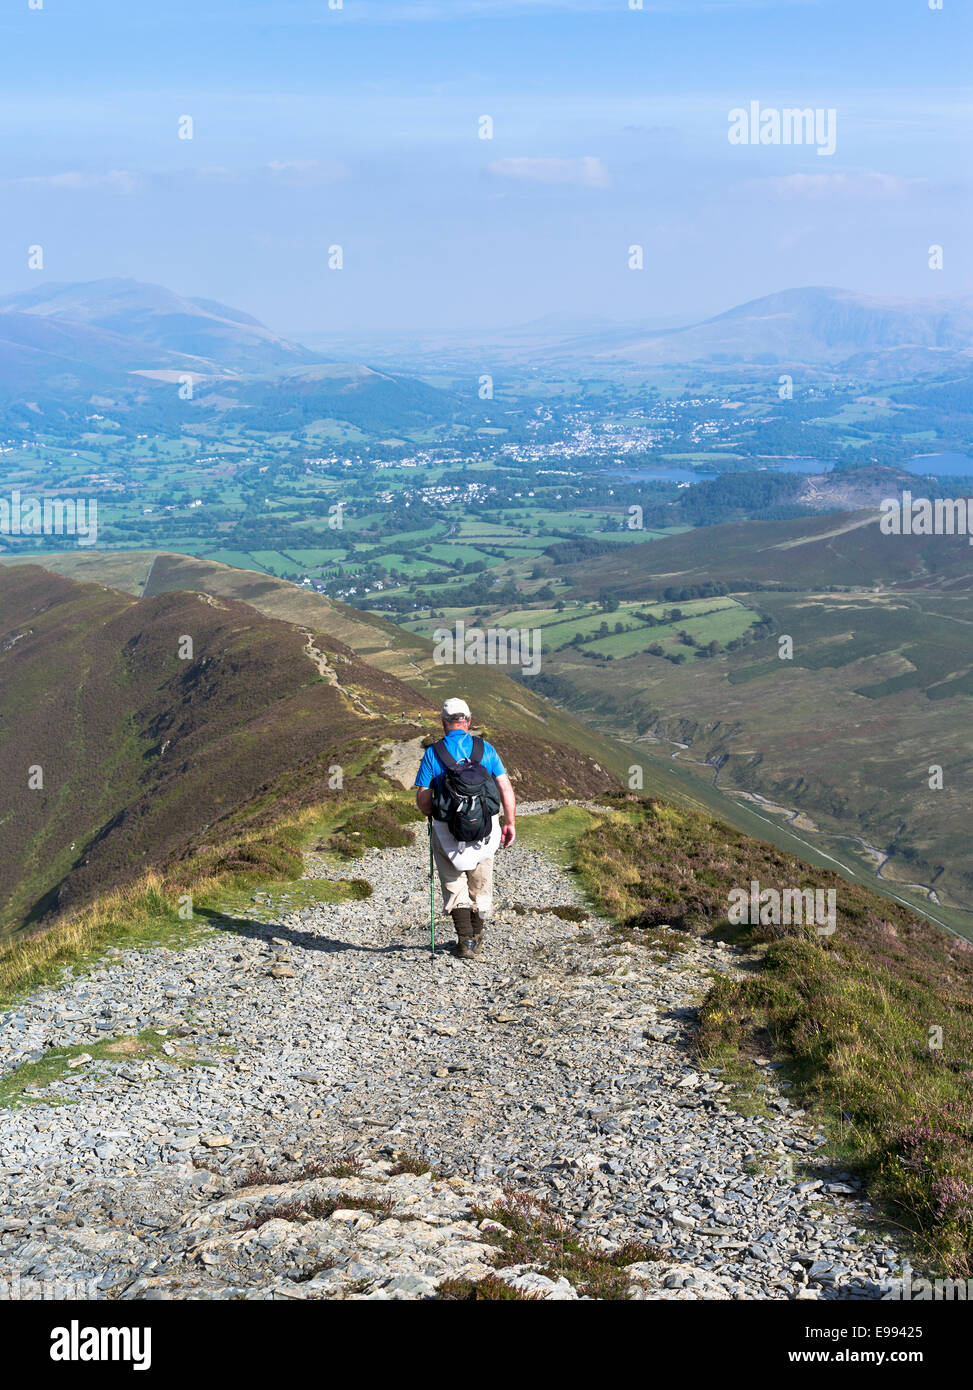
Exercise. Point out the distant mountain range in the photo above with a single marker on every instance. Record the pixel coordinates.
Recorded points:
(833, 331)
(165, 322)
(38, 353)
(800, 325)
(122, 344)
(115, 341)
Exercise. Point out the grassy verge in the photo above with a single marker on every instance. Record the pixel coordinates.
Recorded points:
(268, 900)
(175, 908)
(387, 821)
(875, 1020)
(554, 833)
(55, 1064)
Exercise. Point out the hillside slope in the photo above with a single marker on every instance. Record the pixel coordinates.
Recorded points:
(121, 345)
(145, 755)
(54, 357)
(164, 322)
(813, 324)
(840, 739)
(497, 699)
(141, 751)
(845, 549)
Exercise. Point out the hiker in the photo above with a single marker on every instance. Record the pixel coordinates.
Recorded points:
(461, 784)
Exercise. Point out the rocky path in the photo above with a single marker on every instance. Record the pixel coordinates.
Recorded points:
(556, 1064)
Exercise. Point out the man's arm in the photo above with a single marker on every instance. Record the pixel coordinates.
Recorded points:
(508, 834)
(423, 783)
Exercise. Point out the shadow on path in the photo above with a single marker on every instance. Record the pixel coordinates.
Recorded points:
(309, 941)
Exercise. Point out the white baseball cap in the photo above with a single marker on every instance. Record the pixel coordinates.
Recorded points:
(453, 708)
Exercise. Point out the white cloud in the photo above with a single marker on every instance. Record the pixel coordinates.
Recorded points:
(307, 172)
(284, 166)
(75, 180)
(586, 172)
(868, 184)
(217, 173)
(296, 172)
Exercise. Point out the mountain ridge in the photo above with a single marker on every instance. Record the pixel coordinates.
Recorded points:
(121, 345)
(819, 324)
(156, 747)
(163, 320)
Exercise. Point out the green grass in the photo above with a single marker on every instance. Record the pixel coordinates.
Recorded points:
(141, 918)
(267, 901)
(555, 832)
(53, 1066)
(720, 627)
(851, 1013)
(486, 531)
(314, 557)
(177, 910)
(389, 821)
(452, 551)
(413, 566)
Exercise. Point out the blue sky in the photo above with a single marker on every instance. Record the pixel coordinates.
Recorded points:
(359, 126)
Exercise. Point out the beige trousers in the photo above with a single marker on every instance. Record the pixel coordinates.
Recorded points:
(464, 887)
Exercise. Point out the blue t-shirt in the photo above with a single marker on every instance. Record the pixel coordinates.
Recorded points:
(460, 744)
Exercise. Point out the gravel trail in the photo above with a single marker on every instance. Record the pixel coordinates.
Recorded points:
(557, 1063)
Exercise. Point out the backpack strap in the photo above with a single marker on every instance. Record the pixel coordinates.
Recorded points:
(444, 755)
(447, 759)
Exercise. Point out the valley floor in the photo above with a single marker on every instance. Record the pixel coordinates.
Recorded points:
(556, 1064)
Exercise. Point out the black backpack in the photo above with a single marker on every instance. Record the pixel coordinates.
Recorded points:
(465, 796)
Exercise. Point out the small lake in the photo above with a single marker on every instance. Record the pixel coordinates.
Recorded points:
(941, 465)
(660, 475)
(683, 475)
(938, 465)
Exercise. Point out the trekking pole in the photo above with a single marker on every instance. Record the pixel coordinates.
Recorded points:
(432, 900)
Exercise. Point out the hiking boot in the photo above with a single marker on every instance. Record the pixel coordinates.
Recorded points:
(464, 932)
(479, 926)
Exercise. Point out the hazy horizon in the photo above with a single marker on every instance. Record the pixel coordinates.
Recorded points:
(360, 128)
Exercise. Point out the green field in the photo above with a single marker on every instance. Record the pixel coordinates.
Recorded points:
(851, 731)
